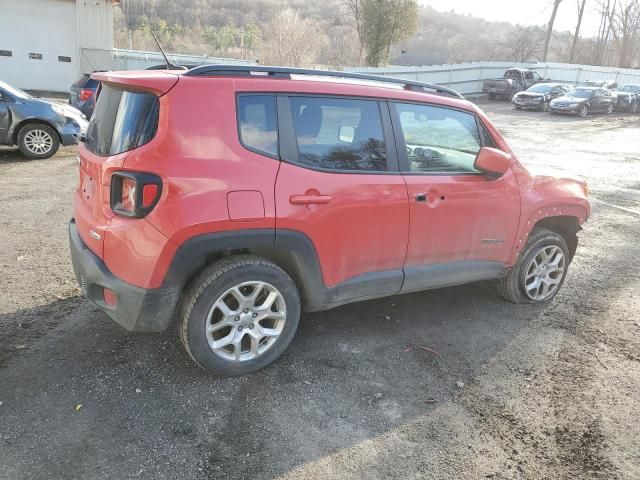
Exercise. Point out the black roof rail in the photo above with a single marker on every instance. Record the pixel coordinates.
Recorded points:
(285, 72)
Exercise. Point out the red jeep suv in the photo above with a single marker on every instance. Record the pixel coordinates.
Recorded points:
(231, 199)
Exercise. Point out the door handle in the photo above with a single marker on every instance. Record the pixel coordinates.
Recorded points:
(309, 199)
(421, 197)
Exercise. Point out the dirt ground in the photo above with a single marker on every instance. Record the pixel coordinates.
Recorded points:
(549, 392)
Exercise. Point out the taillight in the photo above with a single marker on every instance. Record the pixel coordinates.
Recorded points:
(134, 194)
(85, 94)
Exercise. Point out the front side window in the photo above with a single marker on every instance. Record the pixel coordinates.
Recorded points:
(258, 123)
(439, 139)
(339, 134)
(122, 120)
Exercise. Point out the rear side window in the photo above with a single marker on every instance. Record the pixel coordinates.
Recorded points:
(91, 83)
(122, 120)
(339, 134)
(257, 123)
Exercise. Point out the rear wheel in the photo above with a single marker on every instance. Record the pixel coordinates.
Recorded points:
(239, 315)
(37, 140)
(540, 270)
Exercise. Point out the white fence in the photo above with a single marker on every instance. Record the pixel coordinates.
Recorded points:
(119, 59)
(467, 78)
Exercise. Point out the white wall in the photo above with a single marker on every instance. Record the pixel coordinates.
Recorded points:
(39, 26)
(467, 77)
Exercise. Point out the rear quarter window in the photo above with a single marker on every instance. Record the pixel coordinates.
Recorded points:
(122, 120)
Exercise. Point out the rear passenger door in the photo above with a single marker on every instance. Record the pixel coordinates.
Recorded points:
(339, 184)
(462, 222)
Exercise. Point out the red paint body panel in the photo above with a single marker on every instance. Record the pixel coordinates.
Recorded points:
(358, 223)
(460, 212)
(362, 229)
(245, 206)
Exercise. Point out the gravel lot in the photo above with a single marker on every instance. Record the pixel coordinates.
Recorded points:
(549, 392)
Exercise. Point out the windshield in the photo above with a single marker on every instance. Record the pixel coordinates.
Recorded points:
(540, 88)
(631, 88)
(14, 92)
(123, 120)
(580, 93)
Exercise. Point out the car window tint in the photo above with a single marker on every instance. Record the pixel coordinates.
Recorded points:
(439, 139)
(122, 120)
(257, 123)
(339, 134)
(79, 83)
(91, 83)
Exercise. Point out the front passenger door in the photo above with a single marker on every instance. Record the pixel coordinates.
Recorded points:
(462, 223)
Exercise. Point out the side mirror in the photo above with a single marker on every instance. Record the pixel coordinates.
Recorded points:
(492, 162)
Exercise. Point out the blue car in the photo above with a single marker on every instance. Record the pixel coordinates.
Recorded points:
(82, 95)
(38, 127)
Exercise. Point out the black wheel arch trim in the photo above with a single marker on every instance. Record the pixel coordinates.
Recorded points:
(291, 250)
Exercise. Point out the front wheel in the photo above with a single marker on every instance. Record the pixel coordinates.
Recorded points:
(239, 315)
(583, 111)
(540, 270)
(37, 140)
(610, 109)
(634, 107)
(492, 96)
(545, 107)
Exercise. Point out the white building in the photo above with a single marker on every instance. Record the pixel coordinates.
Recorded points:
(48, 44)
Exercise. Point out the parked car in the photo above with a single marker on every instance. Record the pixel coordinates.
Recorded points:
(538, 96)
(628, 98)
(36, 126)
(296, 196)
(82, 94)
(513, 81)
(608, 84)
(584, 100)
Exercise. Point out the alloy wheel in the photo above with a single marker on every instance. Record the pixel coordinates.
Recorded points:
(544, 273)
(38, 141)
(584, 110)
(246, 321)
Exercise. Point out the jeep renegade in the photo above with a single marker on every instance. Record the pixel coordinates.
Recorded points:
(231, 199)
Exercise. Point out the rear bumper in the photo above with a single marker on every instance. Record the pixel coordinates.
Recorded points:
(137, 309)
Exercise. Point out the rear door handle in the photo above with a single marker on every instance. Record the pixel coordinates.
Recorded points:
(309, 199)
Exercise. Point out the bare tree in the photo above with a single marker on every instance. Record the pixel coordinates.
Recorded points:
(290, 40)
(547, 38)
(524, 43)
(604, 31)
(625, 27)
(576, 35)
(354, 13)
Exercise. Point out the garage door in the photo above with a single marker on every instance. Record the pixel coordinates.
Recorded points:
(39, 44)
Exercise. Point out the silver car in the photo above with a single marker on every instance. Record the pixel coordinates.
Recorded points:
(38, 127)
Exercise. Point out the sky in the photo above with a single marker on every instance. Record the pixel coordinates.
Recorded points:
(524, 12)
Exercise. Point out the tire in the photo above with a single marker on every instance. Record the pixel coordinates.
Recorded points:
(584, 111)
(492, 96)
(610, 109)
(544, 107)
(512, 287)
(216, 290)
(634, 107)
(37, 141)
(518, 108)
